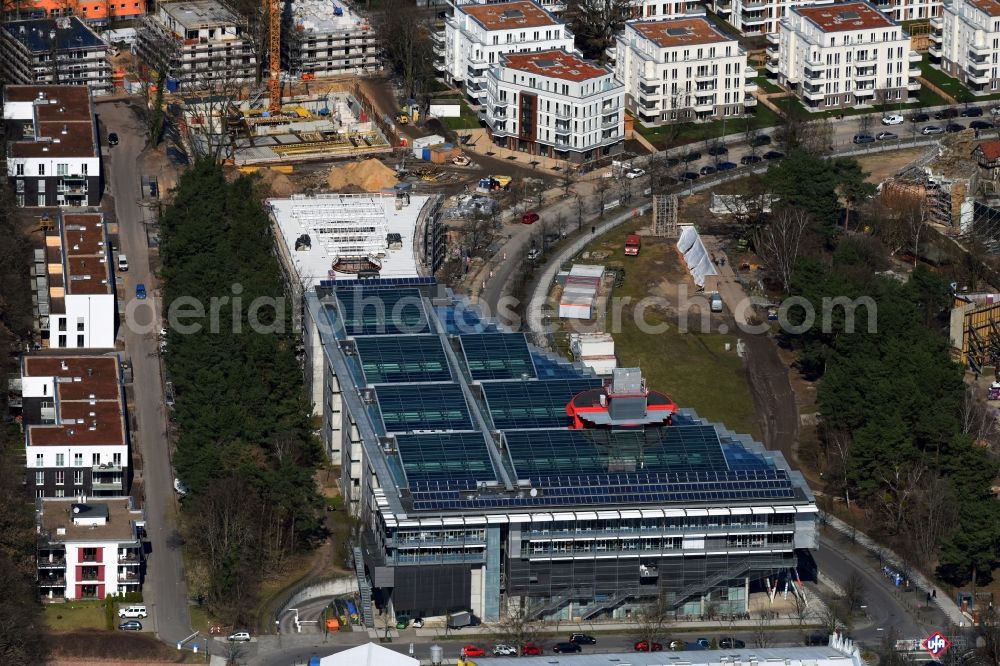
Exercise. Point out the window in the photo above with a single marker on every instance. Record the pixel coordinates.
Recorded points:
(60, 492)
(80, 341)
(79, 323)
(117, 459)
(19, 170)
(39, 478)
(41, 169)
(60, 477)
(41, 199)
(40, 492)
(39, 460)
(62, 169)
(96, 459)
(62, 324)
(62, 341)
(60, 460)
(78, 477)
(77, 460)
(83, 169)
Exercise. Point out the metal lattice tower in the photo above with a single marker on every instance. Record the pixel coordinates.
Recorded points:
(665, 215)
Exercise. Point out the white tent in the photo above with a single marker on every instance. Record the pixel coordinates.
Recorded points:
(369, 654)
(696, 257)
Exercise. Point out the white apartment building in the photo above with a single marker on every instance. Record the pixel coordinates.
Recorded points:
(844, 55)
(60, 51)
(201, 43)
(75, 437)
(75, 285)
(88, 549)
(910, 10)
(966, 43)
(682, 69)
(53, 156)
(325, 38)
(476, 36)
(555, 104)
(756, 17)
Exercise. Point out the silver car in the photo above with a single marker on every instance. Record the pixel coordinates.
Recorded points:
(932, 129)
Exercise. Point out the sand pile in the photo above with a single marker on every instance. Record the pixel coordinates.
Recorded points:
(279, 184)
(368, 176)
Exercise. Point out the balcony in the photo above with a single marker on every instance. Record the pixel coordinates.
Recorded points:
(913, 84)
(864, 74)
(648, 90)
(979, 50)
(109, 468)
(811, 75)
(724, 7)
(934, 50)
(749, 86)
(706, 75)
(815, 62)
(977, 75)
(439, 49)
(704, 105)
(772, 65)
(610, 121)
(813, 92)
(774, 38)
(749, 100)
(937, 22)
(128, 577)
(864, 92)
(753, 19)
(914, 56)
(107, 484)
(978, 58)
(54, 563)
(562, 114)
(52, 581)
(935, 37)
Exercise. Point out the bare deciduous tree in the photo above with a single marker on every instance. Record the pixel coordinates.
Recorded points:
(652, 620)
(405, 36)
(854, 593)
(778, 243)
(516, 627)
(763, 630)
(932, 517)
(596, 22)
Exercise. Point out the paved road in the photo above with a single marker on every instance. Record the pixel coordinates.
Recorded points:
(165, 587)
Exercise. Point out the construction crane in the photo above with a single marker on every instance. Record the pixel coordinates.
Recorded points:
(272, 9)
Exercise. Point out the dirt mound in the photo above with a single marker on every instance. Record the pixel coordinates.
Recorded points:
(278, 183)
(368, 176)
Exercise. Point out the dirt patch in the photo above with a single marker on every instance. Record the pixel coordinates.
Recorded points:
(103, 645)
(367, 176)
(277, 183)
(885, 165)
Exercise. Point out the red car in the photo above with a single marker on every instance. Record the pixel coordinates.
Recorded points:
(473, 651)
(644, 646)
(530, 650)
(529, 218)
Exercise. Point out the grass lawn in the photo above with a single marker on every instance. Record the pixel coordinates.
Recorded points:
(468, 120)
(666, 136)
(74, 615)
(946, 83)
(766, 85)
(692, 368)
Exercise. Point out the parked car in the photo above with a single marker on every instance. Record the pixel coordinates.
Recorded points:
(635, 173)
(773, 155)
(954, 127)
(718, 149)
(112, 139)
(529, 218)
(689, 175)
(707, 170)
(473, 651)
(892, 119)
(182, 489)
(582, 639)
(691, 156)
(731, 643)
(944, 114)
(122, 263)
(919, 118)
(645, 646)
(239, 637)
(981, 124)
(130, 625)
(677, 646)
(418, 623)
(931, 129)
(705, 643)
(531, 650)
(749, 159)
(502, 650)
(672, 161)
(534, 253)
(566, 648)
(972, 112)
(761, 140)
(817, 639)
(133, 612)
(140, 291)
(725, 166)
(863, 138)
(886, 136)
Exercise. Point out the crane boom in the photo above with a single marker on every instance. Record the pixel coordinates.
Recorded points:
(273, 11)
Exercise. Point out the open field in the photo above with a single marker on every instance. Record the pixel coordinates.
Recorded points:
(885, 165)
(75, 615)
(692, 368)
(666, 136)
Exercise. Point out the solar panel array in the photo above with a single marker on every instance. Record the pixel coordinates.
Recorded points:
(497, 356)
(461, 458)
(381, 312)
(407, 407)
(392, 359)
(533, 404)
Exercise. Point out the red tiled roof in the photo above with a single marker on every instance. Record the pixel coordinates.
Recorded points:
(680, 32)
(990, 149)
(842, 17)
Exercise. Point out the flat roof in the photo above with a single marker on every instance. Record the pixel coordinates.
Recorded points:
(680, 32)
(193, 14)
(314, 216)
(83, 244)
(555, 64)
(70, 33)
(320, 16)
(63, 122)
(57, 513)
(845, 16)
(88, 400)
(989, 7)
(796, 656)
(509, 15)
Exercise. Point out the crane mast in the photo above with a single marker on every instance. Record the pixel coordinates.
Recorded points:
(273, 12)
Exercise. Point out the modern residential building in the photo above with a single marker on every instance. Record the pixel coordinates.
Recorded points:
(202, 44)
(76, 441)
(95, 12)
(487, 474)
(683, 69)
(476, 36)
(323, 38)
(756, 17)
(88, 549)
(556, 104)
(844, 55)
(965, 43)
(53, 151)
(62, 51)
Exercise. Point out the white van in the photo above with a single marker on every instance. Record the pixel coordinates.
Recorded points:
(715, 302)
(133, 611)
(122, 263)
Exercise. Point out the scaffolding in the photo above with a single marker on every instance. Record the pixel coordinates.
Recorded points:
(665, 216)
(347, 225)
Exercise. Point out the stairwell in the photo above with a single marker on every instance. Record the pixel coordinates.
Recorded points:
(366, 591)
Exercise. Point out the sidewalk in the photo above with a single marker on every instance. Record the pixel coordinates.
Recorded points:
(480, 144)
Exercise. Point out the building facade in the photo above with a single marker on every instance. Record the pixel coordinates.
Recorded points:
(322, 40)
(88, 549)
(53, 155)
(844, 55)
(76, 441)
(201, 43)
(965, 43)
(487, 473)
(477, 35)
(555, 104)
(756, 17)
(682, 70)
(63, 51)
(99, 12)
